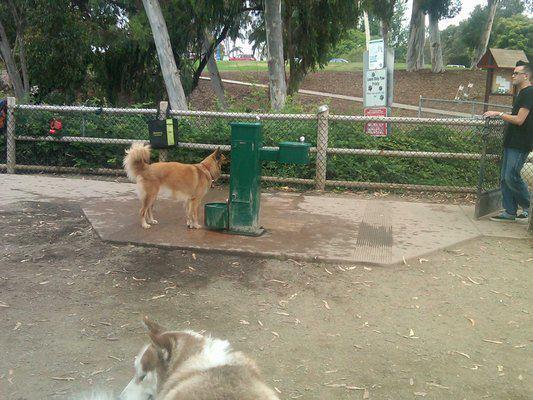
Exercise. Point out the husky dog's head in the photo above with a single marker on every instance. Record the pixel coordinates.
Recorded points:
(167, 352)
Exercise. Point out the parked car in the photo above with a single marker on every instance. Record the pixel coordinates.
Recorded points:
(338, 60)
(243, 57)
(455, 66)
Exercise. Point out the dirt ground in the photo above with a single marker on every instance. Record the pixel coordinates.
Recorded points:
(456, 325)
(408, 87)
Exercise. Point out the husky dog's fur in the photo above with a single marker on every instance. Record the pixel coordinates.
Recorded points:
(96, 395)
(187, 182)
(185, 365)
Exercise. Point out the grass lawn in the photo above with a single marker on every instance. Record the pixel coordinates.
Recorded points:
(262, 66)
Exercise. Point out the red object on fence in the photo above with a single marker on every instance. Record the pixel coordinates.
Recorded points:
(55, 126)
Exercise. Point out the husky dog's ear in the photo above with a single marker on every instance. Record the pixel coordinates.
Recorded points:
(217, 154)
(153, 326)
(163, 343)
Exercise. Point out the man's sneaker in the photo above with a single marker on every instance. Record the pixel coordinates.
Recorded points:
(503, 217)
(522, 217)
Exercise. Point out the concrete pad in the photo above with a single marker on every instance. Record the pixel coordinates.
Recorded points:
(304, 227)
(328, 227)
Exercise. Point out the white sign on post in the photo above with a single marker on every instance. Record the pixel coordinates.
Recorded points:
(376, 54)
(376, 88)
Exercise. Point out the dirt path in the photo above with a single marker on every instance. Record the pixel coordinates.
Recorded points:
(454, 326)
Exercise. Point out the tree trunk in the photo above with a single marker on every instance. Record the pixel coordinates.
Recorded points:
(212, 67)
(276, 65)
(367, 28)
(171, 75)
(12, 70)
(22, 51)
(485, 36)
(385, 32)
(23, 65)
(415, 46)
(437, 65)
(296, 78)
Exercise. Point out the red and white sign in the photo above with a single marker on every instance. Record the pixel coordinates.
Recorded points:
(376, 128)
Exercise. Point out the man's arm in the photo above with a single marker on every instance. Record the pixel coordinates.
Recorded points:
(518, 119)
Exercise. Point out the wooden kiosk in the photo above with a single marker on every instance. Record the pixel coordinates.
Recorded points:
(499, 64)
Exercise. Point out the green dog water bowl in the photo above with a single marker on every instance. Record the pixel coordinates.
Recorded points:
(216, 216)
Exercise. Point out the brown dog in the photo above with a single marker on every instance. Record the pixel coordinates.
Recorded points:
(187, 182)
(185, 365)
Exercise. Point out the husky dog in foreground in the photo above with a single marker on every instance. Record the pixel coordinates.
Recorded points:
(185, 365)
(187, 182)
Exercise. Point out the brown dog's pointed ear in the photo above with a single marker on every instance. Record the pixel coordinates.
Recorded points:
(153, 326)
(216, 154)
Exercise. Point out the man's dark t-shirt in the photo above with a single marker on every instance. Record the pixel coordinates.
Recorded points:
(521, 137)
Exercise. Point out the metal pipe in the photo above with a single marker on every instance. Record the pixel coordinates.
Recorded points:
(183, 145)
(410, 154)
(350, 184)
(403, 186)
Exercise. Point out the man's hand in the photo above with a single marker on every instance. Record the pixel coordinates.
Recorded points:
(492, 114)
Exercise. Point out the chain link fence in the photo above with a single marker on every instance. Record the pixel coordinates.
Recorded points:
(93, 140)
(456, 108)
(423, 154)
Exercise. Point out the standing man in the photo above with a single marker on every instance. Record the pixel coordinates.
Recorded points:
(517, 143)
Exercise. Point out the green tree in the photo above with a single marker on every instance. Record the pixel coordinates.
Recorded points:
(515, 32)
(460, 41)
(397, 33)
(59, 47)
(311, 29)
(351, 46)
(384, 11)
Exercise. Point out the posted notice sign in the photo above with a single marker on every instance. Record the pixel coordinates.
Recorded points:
(376, 54)
(376, 128)
(376, 88)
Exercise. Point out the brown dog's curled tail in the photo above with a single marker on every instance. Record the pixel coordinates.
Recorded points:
(136, 160)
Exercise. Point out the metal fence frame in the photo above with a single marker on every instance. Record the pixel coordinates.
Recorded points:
(472, 104)
(488, 199)
(322, 150)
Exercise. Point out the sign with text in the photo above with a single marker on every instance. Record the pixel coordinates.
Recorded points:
(376, 128)
(376, 54)
(376, 88)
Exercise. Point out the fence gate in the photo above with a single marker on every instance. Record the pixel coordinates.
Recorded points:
(489, 197)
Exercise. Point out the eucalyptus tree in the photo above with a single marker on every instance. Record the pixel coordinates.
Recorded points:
(311, 29)
(437, 10)
(415, 43)
(485, 33)
(12, 46)
(276, 65)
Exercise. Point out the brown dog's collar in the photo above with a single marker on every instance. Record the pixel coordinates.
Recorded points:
(204, 169)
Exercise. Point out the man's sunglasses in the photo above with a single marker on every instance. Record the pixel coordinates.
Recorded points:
(519, 73)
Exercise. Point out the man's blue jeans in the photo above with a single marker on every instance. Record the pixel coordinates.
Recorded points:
(514, 189)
